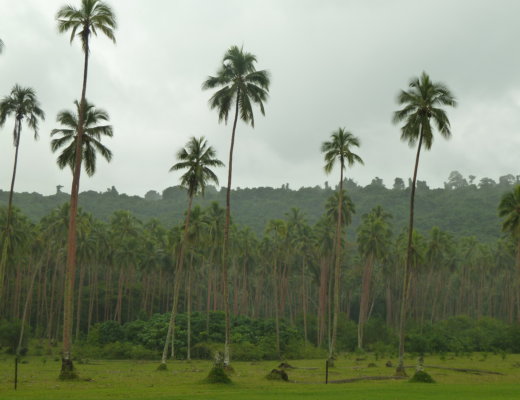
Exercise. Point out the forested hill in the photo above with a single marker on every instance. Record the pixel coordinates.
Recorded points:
(460, 208)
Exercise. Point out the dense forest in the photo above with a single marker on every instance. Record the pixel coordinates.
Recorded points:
(280, 271)
(463, 207)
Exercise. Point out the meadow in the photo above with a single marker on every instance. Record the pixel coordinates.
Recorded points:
(184, 380)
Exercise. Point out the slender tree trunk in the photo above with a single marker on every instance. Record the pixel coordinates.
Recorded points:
(176, 286)
(406, 275)
(67, 367)
(78, 306)
(188, 350)
(276, 306)
(26, 307)
(7, 236)
(304, 303)
(225, 248)
(337, 265)
(365, 296)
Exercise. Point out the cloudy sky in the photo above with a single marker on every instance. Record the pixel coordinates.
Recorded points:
(333, 64)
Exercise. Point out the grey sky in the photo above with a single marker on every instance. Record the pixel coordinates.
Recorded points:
(333, 63)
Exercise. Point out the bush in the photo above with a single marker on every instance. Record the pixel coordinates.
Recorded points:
(10, 335)
(421, 377)
(217, 375)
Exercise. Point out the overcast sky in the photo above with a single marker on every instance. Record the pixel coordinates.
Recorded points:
(333, 64)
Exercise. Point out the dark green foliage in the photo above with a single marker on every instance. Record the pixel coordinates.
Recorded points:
(421, 377)
(466, 211)
(217, 375)
(10, 334)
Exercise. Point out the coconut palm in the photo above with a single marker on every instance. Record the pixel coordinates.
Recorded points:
(509, 209)
(91, 17)
(197, 159)
(422, 104)
(23, 105)
(241, 86)
(92, 134)
(373, 241)
(339, 150)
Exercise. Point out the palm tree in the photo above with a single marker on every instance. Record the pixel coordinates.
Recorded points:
(339, 150)
(92, 134)
(509, 208)
(22, 104)
(91, 17)
(373, 242)
(422, 103)
(241, 86)
(197, 158)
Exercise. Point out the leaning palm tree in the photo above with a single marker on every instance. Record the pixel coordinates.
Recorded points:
(422, 103)
(509, 208)
(339, 150)
(197, 159)
(22, 104)
(92, 135)
(241, 86)
(91, 17)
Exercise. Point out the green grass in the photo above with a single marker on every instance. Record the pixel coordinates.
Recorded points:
(183, 380)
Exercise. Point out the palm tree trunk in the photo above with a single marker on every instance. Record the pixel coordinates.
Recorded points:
(7, 236)
(276, 306)
(176, 286)
(67, 366)
(304, 303)
(337, 267)
(227, 358)
(365, 296)
(188, 350)
(406, 276)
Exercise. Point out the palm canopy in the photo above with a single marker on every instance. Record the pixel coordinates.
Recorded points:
(22, 104)
(509, 209)
(422, 103)
(197, 158)
(339, 148)
(91, 140)
(240, 82)
(91, 17)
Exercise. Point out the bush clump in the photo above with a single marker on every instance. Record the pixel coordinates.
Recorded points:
(277, 375)
(421, 377)
(217, 375)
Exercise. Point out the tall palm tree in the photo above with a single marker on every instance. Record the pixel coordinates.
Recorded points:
(22, 104)
(339, 150)
(91, 17)
(422, 104)
(197, 159)
(241, 86)
(92, 134)
(509, 209)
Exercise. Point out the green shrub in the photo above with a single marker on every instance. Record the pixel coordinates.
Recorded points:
(217, 375)
(421, 377)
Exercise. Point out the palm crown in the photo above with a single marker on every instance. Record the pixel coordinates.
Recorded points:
(91, 17)
(197, 158)
(91, 140)
(240, 82)
(339, 148)
(509, 208)
(422, 103)
(22, 104)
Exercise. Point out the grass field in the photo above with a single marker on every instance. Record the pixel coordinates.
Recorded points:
(183, 380)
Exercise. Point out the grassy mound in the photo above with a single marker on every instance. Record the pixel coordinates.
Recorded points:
(162, 367)
(217, 375)
(421, 377)
(277, 375)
